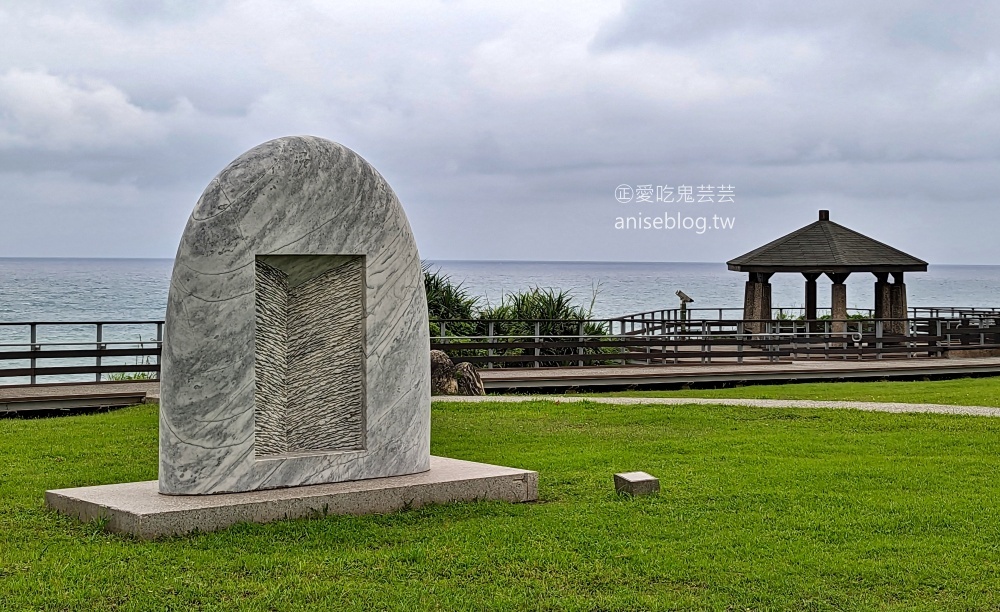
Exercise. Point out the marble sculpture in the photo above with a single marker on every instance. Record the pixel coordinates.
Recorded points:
(296, 342)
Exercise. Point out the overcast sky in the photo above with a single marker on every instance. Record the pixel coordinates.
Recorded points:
(505, 127)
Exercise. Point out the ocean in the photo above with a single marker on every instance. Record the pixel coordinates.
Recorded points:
(623, 288)
(136, 289)
(92, 290)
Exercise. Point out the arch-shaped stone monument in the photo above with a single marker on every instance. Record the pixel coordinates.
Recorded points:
(296, 352)
(296, 339)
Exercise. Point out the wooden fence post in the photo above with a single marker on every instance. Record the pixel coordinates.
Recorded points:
(538, 350)
(100, 347)
(489, 351)
(34, 347)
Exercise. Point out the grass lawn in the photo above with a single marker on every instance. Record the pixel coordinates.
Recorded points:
(962, 392)
(760, 508)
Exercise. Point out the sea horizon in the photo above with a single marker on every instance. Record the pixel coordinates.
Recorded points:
(515, 261)
(120, 289)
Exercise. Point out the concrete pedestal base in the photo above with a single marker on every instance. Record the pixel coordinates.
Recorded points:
(138, 508)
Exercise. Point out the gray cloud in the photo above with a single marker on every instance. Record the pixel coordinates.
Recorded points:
(505, 127)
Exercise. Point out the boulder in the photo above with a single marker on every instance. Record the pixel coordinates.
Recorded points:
(442, 374)
(468, 379)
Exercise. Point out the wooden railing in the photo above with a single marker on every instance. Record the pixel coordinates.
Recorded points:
(45, 352)
(638, 320)
(714, 341)
(57, 351)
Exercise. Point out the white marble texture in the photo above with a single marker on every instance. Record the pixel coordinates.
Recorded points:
(290, 196)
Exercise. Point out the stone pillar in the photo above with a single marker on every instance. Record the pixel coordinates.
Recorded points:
(811, 277)
(750, 303)
(882, 296)
(897, 303)
(838, 302)
(765, 300)
(757, 302)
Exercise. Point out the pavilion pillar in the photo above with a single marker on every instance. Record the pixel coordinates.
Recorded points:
(897, 304)
(810, 295)
(883, 299)
(838, 302)
(750, 303)
(765, 300)
(757, 302)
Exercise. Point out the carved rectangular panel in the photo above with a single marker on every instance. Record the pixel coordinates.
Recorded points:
(309, 354)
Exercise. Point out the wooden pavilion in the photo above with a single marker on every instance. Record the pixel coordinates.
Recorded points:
(824, 247)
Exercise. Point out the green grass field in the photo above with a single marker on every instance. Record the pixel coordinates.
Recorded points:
(760, 508)
(961, 391)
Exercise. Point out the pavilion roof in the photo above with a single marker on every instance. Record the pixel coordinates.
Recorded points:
(825, 246)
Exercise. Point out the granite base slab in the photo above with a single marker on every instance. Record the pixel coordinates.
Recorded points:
(139, 509)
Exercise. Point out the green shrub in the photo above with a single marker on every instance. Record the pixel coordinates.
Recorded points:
(556, 315)
(448, 300)
(555, 310)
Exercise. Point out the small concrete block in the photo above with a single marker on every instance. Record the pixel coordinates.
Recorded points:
(636, 483)
(138, 508)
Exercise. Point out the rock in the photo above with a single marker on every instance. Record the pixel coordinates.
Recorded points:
(442, 374)
(449, 379)
(468, 379)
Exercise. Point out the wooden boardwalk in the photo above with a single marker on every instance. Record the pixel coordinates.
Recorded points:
(791, 371)
(93, 395)
(15, 399)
